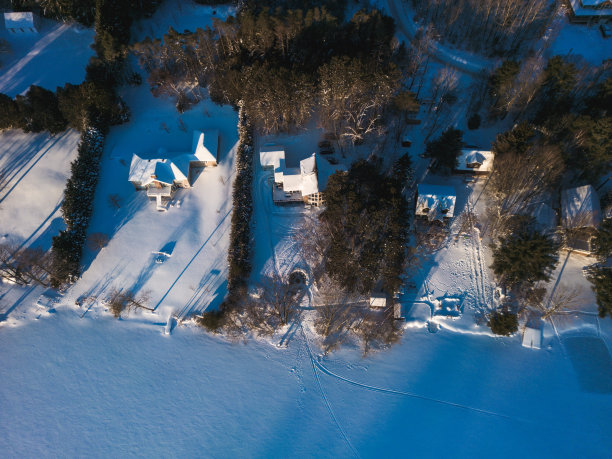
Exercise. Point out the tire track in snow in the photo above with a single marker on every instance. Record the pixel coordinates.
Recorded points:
(329, 408)
(328, 372)
(40, 45)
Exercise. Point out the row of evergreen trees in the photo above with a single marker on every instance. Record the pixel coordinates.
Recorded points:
(239, 252)
(77, 208)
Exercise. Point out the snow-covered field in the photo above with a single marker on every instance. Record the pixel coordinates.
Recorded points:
(76, 387)
(77, 382)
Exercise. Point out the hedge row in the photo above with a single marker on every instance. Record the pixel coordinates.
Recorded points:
(239, 253)
(77, 207)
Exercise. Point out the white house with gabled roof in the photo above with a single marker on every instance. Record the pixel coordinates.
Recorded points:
(161, 177)
(297, 184)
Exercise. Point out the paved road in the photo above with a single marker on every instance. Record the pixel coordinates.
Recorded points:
(461, 60)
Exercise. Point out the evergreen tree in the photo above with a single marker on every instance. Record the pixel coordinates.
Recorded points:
(90, 103)
(366, 217)
(112, 24)
(502, 78)
(10, 116)
(601, 102)
(501, 83)
(446, 149)
(517, 140)
(591, 139)
(602, 242)
(524, 257)
(503, 323)
(601, 278)
(40, 111)
(556, 95)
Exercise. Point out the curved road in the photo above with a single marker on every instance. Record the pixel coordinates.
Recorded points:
(461, 60)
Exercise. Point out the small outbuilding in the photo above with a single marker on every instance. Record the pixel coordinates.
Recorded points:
(378, 300)
(532, 338)
(21, 22)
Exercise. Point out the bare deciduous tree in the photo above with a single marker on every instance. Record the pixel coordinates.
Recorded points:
(336, 312)
(114, 200)
(517, 179)
(24, 265)
(97, 241)
(125, 300)
(280, 297)
(377, 329)
(564, 298)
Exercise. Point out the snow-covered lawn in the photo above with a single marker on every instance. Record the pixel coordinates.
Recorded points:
(57, 55)
(195, 229)
(33, 172)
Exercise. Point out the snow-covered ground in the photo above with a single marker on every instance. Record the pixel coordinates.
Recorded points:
(57, 55)
(104, 388)
(77, 382)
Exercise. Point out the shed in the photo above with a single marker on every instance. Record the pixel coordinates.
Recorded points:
(532, 338)
(378, 300)
(21, 22)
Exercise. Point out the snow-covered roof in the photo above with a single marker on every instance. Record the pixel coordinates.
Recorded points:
(580, 207)
(482, 159)
(436, 201)
(378, 300)
(591, 8)
(303, 178)
(532, 338)
(593, 2)
(308, 170)
(22, 20)
(205, 145)
(272, 155)
(292, 179)
(145, 171)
